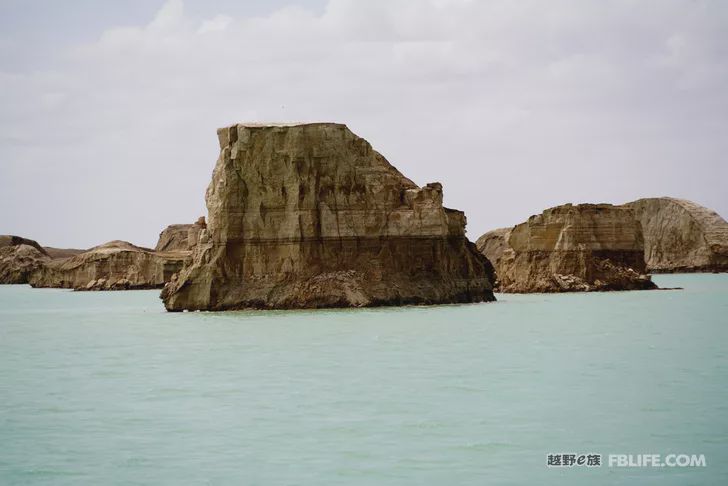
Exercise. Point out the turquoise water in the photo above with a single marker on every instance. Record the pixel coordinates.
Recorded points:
(107, 388)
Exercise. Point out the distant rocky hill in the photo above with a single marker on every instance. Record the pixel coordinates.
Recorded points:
(587, 247)
(19, 258)
(682, 236)
(57, 253)
(116, 265)
(11, 240)
(309, 215)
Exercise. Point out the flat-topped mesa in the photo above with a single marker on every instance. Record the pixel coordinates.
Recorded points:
(309, 215)
(575, 248)
(682, 236)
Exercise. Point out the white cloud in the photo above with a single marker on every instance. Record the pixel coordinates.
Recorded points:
(169, 17)
(215, 24)
(514, 106)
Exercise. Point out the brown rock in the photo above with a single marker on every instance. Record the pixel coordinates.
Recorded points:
(19, 258)
(492, 244)
(310, 215)
(117, 265)
(180, 237)
(681, 236)
(11, 240)
(571, 248)
(56, 253)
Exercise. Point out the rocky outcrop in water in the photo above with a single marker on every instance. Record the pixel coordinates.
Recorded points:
(681, 236)
(180, 237)
(19, 258)
(117, 265)
(309, 215)
(588, 247)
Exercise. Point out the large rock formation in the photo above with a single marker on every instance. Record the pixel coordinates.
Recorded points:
(569, 248)
(19, 258)
(681, 236)
(180, 237)
(310, 215)
(116, 265)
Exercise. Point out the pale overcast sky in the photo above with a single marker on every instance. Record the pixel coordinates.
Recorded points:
(108, 109)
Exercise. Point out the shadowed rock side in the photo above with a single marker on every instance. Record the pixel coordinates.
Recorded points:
(589, 247)
(681, 236)
(116, 265)
(493, 244)
(19, 258)
(309, 215)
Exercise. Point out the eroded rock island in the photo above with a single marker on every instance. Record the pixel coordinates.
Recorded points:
(116, 265)
(682, 236)
(309, 215)
(587, 247)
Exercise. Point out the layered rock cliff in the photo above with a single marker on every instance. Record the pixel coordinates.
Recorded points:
(568, 248)
(681, 236)
(116, 265)
(19, 258)
(309, 215)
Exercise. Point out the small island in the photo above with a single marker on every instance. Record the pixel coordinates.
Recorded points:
(582, 248)
(309, 216)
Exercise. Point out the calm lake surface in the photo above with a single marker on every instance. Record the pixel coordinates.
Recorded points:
(107, 388)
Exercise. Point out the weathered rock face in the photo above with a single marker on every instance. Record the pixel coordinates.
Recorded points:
(493, 244)
(116, 265)
(11, 240)
(180, 237)
(310, 215)
(571, 248)
(19, 258)
(681, 236)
